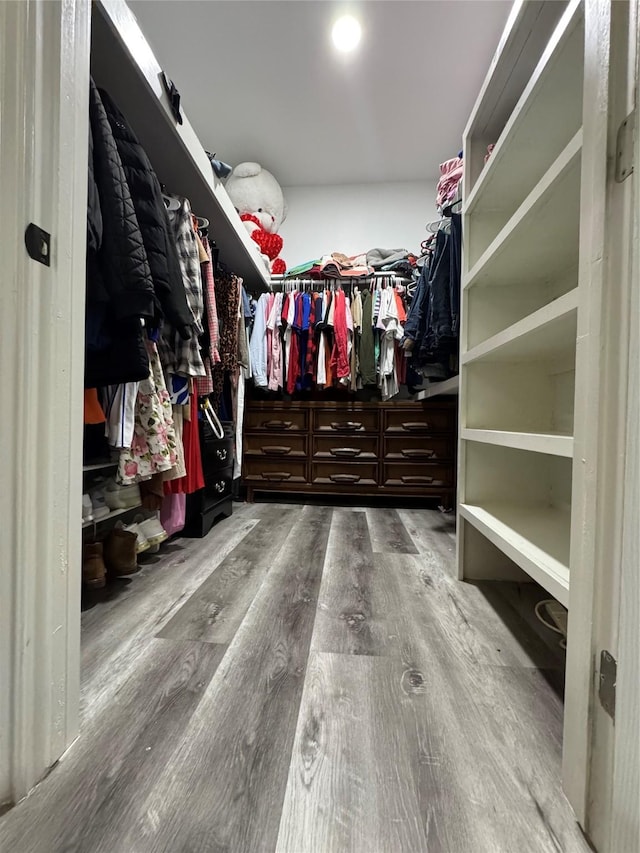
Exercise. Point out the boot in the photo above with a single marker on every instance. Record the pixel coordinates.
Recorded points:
(93, 569)
(120, 552)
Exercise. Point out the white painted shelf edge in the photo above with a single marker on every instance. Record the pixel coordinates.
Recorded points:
(537, 198)
(562, 32)
(550, 443)
(449, 386)
(99, 466)
(123, 22)
(114, 514)
(560, 307)
(499, 524)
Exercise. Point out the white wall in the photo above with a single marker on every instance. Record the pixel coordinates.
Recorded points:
(355, 218)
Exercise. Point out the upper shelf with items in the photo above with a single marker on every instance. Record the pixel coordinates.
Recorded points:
(123, 63)
(546, 116)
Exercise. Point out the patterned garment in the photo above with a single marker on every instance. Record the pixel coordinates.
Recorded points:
(227, 297)
(204, 385)
(153, 447)
(178, 356)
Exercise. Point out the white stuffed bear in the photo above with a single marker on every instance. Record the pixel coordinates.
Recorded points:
(258, 198)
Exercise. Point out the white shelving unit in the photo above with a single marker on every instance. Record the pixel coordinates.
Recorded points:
(520, 303)
(123, 63)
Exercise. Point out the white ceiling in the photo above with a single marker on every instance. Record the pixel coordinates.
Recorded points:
(260, 80)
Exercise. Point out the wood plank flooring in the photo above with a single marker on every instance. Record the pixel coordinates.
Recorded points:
(310, 679)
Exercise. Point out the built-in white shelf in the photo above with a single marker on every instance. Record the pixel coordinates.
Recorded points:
(448, 387)
(541, 238)
(554, 444)
(545, 334)
(123, 63)
(113, 514)
(543, 121)
(535, 537)
(99, 466)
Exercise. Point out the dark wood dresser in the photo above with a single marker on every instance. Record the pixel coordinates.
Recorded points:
(395, 449)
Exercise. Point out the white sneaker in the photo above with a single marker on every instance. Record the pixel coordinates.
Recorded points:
(87, 509)
(100, 508)
(153, 530)
(122, 497)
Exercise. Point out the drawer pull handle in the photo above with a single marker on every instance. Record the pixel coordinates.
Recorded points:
(417, 480)
(276, 450)
(418, 453)
(345, 451)
(414, 426)
(222, 454)
(277, 424)
(277, 475)
(219, 487)
(344, 478)
(352, 426)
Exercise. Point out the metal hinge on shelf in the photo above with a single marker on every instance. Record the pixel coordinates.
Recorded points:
(624, 148)
(607, 687)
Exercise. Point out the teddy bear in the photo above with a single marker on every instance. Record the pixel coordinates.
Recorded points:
(258, 198)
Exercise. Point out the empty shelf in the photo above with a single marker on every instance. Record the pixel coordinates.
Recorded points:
(541, 239)
(447, 386)
(545, 334)
(554, 444)
(535, 537)
(545, 118)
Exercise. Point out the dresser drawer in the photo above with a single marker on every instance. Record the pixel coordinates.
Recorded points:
(217, 488)
(216, 455)
(287, 444)
(424, 474)
(420, 422)
(344, 421)
(358, 448)
(276, 420)
(339, 473)
(413, 448)
(275, 470)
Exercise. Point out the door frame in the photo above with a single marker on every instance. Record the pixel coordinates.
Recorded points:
(44, 85)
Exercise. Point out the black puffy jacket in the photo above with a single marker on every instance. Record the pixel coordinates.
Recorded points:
(159, 242)
(121, 258)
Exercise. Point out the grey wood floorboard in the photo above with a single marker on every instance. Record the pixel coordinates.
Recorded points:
(388, 533)
(352, 615)
(473, 617)
(114, 631)
(224, 786)
(81, 804)
(216, 609)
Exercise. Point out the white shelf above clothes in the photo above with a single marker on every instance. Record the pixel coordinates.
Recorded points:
(123, 63)
(535, 537)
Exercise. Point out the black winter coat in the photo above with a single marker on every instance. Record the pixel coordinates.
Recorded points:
(159, 243)
(119, 285)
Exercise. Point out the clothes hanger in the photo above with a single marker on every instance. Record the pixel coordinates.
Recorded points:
(448, 209)
(170, 202)
(202, 222)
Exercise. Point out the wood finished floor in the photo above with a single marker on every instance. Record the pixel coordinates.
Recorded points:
(310, 679)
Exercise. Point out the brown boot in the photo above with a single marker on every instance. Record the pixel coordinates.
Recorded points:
(93, 569)
(120, 553)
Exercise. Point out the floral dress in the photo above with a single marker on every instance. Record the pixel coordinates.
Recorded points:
(153, 448)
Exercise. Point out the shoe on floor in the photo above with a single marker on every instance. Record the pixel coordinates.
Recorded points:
(121, 497)
(142, 543)
(120, 552)
(87, 509)
(94, 573)
(153, 530)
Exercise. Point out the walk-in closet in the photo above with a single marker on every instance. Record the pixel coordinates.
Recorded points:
(321, 475)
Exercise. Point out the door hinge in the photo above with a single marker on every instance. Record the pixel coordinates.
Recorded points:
(607, 687)
(624, 148)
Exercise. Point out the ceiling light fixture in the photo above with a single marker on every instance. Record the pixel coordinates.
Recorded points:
(346, 33)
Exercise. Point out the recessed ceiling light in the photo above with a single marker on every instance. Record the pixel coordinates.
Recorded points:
(346, 33)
